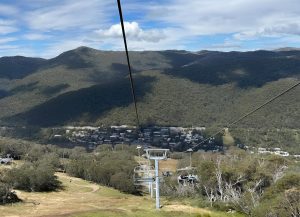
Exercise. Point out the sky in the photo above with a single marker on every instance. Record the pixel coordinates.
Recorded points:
(46, 28)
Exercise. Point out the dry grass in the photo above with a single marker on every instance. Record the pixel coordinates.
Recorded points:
(168, 165)
(12, 165)
(85, 199)
(164, 165)
(78, 196)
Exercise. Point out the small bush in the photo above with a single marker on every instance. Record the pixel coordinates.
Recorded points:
(7, 195)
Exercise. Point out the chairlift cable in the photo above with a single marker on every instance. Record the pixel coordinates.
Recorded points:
(128, 63)
(251, 112)
(134, 95)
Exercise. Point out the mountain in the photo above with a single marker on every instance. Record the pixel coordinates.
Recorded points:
(287, 49)
(18, 67)
(88, 86)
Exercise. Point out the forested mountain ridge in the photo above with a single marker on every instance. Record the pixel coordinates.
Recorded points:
(19, 67)
(181, 88)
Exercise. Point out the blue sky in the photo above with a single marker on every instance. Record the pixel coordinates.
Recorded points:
(46, 28)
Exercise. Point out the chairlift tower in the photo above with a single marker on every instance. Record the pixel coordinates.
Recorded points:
(190, 151)
(157, 155)
(139, 148)
(144, 173)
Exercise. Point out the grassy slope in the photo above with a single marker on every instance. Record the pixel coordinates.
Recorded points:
(83, 199)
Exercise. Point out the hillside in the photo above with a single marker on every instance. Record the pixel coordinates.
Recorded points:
(88, 86)
(19, 67)
(81, 198)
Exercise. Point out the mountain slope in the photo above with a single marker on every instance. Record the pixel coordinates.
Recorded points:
(249, 69)
(183, 88)
(18, 66)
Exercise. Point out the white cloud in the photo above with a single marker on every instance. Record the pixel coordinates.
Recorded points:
(3, 47)
(7, 26)
(7, 29)
(133, 32)
(208, 17)
(7, 9)
(270, 31)
(290, 29)
(112, 41)
(79, 14)
(7, 39)
(60, 25)
(36, 36)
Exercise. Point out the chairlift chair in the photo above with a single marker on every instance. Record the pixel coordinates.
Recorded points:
(143, 174)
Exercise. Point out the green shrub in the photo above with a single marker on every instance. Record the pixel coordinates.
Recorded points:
(106, 167)
(37, 176)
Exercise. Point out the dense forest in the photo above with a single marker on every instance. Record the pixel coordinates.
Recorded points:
(178, 88)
